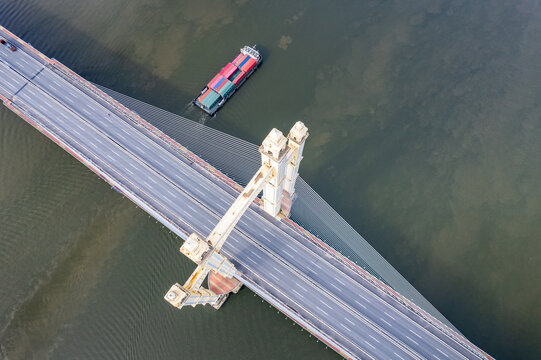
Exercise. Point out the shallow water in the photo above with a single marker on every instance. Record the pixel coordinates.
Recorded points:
(425, 136)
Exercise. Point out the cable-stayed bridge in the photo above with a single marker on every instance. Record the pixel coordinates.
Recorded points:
(349, 309)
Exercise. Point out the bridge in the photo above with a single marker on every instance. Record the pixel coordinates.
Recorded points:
(344, 306)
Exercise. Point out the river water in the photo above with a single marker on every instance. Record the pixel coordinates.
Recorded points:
(425, 136)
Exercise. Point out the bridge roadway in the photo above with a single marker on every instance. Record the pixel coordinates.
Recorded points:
(317, 288)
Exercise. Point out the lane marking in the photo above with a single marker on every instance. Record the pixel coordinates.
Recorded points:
(358, 303)
(373, 338)
(349, 321)
(323, 311)
(413, 341)
(385, 321)
(442, 352)
(336, 287)
(386, 313)
(414, 333)
(372, 346)
(324, 303)
(268, 232)
(365, 299)
(292, 248)
(199, 192)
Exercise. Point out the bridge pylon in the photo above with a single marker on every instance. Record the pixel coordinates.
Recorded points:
(284, 155)
(280, 157)
(295, 140)
(273, 153)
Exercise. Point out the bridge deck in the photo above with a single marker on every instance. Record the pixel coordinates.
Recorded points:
(348, 309)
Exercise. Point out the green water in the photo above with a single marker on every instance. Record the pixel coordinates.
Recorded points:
(425, 136)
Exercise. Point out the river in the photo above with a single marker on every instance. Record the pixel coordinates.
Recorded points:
(425, 136)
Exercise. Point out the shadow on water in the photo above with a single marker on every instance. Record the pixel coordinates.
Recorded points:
(101, 65)
(266, 53)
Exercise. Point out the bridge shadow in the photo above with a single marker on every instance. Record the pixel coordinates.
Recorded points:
(93, 60)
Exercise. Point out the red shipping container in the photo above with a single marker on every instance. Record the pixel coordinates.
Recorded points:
(214, 81)
(236, 61)
(248, 65)
(239, 61)
(220, 86)
(239, 78)
(204, 95)
(228, 70)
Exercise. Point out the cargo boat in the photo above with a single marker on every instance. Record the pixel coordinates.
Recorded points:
(228, 80)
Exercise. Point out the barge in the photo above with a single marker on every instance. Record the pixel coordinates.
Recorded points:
(228, 80)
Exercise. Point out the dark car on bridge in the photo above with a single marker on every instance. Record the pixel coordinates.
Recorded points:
(8, 45)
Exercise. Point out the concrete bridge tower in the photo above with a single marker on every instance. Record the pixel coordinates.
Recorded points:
(296, 139)
(278, 156)
(284, 155)
(273, 153)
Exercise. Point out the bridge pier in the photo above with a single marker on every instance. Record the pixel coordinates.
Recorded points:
(220, 284)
